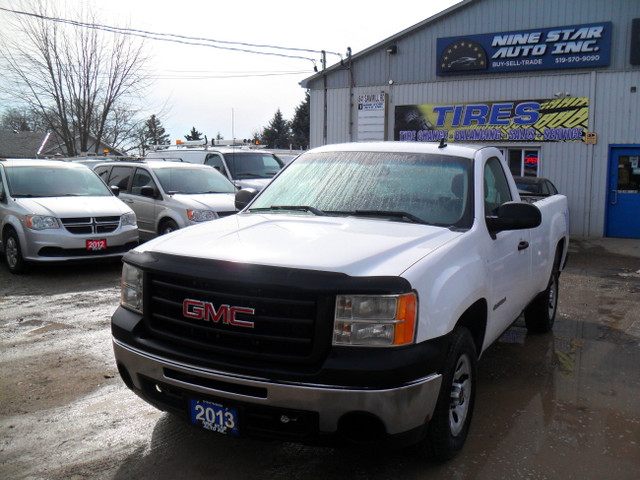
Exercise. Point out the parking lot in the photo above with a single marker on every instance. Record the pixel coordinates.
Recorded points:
(560, 405)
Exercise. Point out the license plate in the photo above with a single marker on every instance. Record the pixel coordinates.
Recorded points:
(97, 244)
(214, 416)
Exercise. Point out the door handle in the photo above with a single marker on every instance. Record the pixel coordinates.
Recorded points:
(615, 193)
(523, 245)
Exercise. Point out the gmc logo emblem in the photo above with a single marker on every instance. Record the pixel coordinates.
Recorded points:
(206, 311)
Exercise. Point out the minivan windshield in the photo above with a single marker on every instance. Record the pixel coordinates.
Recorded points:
(54, 181)
(409, 187)
(193, 180)
(244, 165)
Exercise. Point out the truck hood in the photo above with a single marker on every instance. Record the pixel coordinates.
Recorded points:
(218, 202)
(356, 247)
(78, 206)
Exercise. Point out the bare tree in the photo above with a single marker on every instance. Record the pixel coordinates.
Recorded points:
(79, 79)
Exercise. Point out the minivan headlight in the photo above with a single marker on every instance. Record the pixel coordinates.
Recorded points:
(201, 215)
(41, 222)
(375, 320)
(131, 288)
(128, 219)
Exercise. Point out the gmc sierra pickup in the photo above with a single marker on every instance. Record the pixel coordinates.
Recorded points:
(348, 300)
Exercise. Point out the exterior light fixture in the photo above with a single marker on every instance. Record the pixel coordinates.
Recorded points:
(392, 50)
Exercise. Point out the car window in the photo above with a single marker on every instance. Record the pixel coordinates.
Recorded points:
(253, 164)
(214, 160)
(120, 177)
(552, 188)
(103, 172)
(193, 180)
(1, 183)
(496, 186)
(54, 181)
(142, 178)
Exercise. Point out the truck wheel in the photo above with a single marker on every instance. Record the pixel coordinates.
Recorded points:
(168, 226)
(541, 312)
(12, 252)
(447, 431)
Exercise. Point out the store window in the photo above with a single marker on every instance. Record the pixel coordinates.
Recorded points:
(523, 162)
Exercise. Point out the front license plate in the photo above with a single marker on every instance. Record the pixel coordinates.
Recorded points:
(97, 244)
(214, 416)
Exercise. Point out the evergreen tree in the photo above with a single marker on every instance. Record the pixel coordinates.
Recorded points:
(300, 125)
(154, 132)
(278, 133)
(194, 134)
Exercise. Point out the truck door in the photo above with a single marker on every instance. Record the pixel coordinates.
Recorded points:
(508, 258)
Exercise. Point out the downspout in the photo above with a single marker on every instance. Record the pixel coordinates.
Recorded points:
(324, 86)
(350, 94)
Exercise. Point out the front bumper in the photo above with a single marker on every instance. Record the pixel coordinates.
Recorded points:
(59, 245)
(394, 415)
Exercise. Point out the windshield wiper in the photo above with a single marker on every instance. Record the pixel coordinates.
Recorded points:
(388, 213)
(249, 175)
(295, 208)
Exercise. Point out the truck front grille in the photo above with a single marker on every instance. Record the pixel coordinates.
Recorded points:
(91, 225)
(282, 328)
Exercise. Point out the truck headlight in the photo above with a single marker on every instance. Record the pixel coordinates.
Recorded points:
(128, 219)
(41, 222)
(201, 215)
(131, 288)
(375, 320)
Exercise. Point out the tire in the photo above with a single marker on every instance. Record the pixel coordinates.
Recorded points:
(540, 314)
(13, 253)
(167, 226)
(448, 429)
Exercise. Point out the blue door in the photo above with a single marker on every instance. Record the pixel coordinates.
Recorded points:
(623, 198)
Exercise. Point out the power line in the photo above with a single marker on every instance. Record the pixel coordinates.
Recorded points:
(182, 39)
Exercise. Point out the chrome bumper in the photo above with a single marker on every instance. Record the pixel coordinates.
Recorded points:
(400, 409)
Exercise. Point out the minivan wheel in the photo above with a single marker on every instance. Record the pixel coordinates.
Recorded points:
(12, 252)
(168, 226)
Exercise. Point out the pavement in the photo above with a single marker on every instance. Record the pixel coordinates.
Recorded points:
(628, 247)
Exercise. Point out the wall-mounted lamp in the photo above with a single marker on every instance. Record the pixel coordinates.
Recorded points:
(392, 50)
(562, 94)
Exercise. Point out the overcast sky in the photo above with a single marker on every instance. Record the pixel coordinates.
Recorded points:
(237, 93)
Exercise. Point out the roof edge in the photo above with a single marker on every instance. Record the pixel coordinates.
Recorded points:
(434, 18)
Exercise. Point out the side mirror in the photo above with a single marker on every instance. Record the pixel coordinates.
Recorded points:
(514, 216)
(244, 197)
(115, 189)
(148, 191)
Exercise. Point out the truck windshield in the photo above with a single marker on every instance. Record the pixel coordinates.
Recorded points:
(422, 188)
(252, 164)
(54, 181)
(193, 180)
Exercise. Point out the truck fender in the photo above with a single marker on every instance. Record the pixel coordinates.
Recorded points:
(449, 295)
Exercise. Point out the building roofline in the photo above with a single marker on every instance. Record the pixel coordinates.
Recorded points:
(407, 31)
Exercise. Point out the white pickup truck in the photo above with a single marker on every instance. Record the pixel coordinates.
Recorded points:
(349, 300)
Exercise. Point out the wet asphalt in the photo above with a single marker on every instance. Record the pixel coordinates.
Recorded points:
(559, 405)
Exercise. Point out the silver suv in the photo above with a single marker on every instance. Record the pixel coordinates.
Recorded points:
(167, 195)
(52, 211)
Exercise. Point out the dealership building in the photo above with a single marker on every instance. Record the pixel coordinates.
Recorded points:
(553, 84)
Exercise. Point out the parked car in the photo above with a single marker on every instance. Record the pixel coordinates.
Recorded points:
(537, 186)
(245, 167)
(54, 211)
(167, 196)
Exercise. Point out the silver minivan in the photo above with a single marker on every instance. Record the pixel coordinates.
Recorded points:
(168, 195)
(53, 211)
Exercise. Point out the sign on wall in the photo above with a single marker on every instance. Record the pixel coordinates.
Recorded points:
(574, 46)
(371, 117)
(549, 120)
